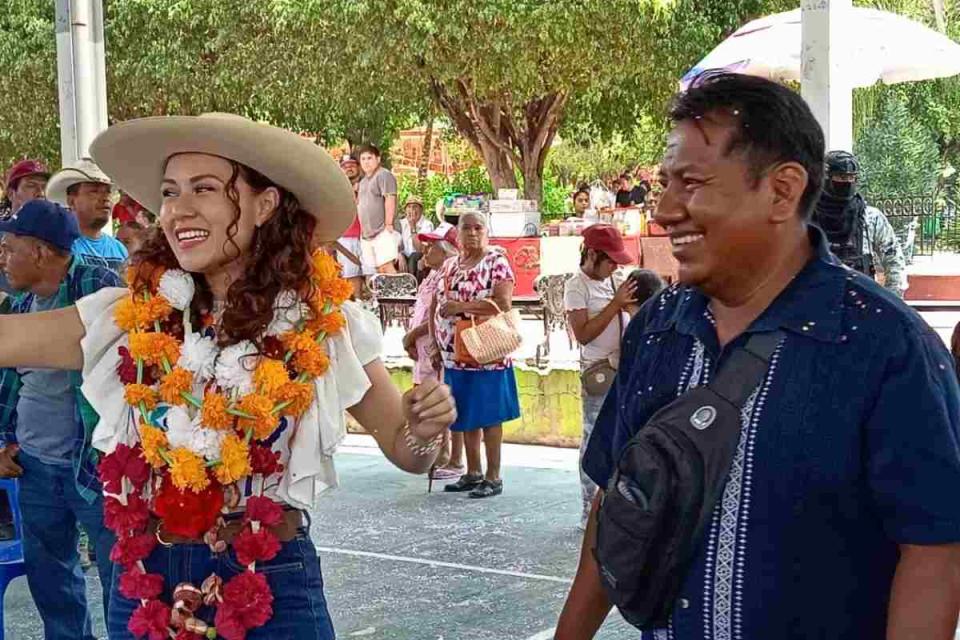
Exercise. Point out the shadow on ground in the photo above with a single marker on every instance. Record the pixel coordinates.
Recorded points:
(403, 565)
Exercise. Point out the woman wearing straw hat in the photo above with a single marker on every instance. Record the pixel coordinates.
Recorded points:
(221, 376)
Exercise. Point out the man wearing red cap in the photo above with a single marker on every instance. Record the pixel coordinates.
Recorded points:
(25, 181)
(598, 308)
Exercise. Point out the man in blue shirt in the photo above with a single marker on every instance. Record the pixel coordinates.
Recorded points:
(84, 189)
(840, 515)
(46, 425)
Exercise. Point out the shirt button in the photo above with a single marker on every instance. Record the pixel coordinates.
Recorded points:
(684, 603)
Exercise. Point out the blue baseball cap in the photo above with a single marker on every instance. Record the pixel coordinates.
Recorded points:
(44, 220)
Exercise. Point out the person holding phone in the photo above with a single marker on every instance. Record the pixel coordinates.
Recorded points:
(597, 305)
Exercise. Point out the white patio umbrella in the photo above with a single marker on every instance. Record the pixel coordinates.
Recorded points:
(884, 47)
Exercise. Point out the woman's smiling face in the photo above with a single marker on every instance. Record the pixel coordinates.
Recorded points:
(201, 220)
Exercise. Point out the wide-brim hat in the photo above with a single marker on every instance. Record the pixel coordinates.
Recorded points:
(135, 153)
(77, 173)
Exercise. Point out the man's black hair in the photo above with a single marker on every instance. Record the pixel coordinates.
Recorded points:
(369, 148)
(774, 124)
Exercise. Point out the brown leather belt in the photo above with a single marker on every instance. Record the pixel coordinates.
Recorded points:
(285, 531)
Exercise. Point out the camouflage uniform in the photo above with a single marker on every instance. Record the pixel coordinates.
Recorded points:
(881, 242)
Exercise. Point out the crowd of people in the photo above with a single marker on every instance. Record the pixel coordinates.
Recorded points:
(773, 435)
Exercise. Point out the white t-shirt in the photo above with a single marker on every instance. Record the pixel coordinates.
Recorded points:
(583, 292)
(423, 226)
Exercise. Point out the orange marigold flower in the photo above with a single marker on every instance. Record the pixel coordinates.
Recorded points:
(262, 420)
(155, 309)
(154, 347)
(187, 470)
(144, 276)
(299, 395)
(329, 323)
(152, 441)
(140, 393)
(339, 290)
(325, 267)
(234, 460)
(174, 384)
(294, 341)
(270, 375)
(126, 315)
(214, 414)
(312, 361)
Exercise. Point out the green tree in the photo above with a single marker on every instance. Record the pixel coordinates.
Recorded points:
(898, 154)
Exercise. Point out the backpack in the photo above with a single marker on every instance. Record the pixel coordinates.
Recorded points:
(666, 484)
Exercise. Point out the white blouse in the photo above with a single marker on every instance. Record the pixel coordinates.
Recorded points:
(306, 448)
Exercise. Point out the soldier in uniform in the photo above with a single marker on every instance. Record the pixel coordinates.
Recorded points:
(859, 235)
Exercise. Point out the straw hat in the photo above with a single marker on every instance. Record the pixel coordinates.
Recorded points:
(134, 153)
(83, 170)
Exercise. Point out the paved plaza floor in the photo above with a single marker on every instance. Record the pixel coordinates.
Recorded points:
(403, 565)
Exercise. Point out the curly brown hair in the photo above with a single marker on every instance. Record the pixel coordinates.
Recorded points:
(279, 260)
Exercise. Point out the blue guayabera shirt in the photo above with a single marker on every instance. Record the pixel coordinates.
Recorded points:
(81, 280)
(849, 447)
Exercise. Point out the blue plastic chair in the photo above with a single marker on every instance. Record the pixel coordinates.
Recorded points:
(11, 551)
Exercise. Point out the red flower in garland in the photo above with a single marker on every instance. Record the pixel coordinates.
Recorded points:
(150, 620)
(137, 585)
(124, 461)
(131, 549)
(127, 369)
(263, 510)
(187, 635)
(247, 604)
(121, 518)
(185, 513)
(261, 546)
(263, 460)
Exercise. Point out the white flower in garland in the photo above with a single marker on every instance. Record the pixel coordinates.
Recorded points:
(177, 287)
(179, 427)
(207, 442)
(199, 356)
(288, 311)
(235, 367)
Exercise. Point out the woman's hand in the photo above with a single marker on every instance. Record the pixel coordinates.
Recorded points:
(450, 309)
(626, 294)
(429, 409)
(410, 345)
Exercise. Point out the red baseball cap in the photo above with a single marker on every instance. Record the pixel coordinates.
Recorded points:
(603, 237)
(444, 231)
(23, 169)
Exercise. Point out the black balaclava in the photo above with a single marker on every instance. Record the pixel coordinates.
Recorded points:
(840, 205)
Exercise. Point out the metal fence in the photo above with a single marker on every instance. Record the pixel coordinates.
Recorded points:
(924, 223)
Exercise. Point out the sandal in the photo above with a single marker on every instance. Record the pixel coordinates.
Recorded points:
(487, 489)
(467, 482)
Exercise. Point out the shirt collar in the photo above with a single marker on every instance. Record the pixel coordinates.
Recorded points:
(811, 305)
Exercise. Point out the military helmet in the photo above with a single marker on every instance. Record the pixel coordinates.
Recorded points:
(841, 162)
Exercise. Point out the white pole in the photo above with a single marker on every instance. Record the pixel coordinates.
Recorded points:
(823, 83)
(81, 74)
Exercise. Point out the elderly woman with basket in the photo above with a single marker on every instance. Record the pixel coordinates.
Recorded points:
(476, 331)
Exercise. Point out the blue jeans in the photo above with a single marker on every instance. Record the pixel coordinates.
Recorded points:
(51, 508)
(299, 607)
(588, 490)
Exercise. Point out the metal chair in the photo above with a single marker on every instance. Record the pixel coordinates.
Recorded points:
(11, 551)
(394, 285)
(550, 289)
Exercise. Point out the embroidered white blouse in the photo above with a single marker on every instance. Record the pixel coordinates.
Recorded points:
(306, 447)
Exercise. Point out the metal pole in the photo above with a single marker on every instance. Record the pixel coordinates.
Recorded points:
(824, 84)
(81, 75)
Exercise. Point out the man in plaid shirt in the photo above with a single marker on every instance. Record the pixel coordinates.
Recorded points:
(46, 425)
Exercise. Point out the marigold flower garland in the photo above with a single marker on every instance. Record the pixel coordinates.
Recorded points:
(192, 451)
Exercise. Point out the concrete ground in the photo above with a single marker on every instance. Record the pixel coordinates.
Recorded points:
(402, 565)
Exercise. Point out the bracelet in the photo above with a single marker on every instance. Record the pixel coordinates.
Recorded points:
(420, 448)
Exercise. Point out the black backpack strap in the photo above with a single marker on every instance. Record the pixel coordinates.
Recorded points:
(746, 368)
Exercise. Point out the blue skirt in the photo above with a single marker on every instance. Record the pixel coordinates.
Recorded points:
(484, 398)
